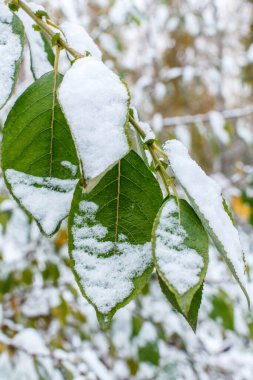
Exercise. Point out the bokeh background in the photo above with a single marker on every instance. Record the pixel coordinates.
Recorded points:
(189, 67)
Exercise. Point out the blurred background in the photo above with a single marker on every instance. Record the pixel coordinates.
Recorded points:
(189, 67)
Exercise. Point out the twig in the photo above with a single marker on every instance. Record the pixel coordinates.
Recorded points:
(235, 113)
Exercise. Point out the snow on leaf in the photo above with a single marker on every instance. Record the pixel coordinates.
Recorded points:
(206, 199)
(42, 56)
(95, 103)
(101, 276)
(79, 39)
(180, 250)
(11, 48)
(109, 235)
(48, 200)
(39, 156)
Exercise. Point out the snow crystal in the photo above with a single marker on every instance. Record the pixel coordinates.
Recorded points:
(105, 268)
(79, 39)
(47, 199)
(10, 51)
(179, 264)
(39, 59)
(206, 193)
(95, 103)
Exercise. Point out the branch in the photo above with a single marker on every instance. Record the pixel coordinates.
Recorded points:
(235, 113)
(48, 30)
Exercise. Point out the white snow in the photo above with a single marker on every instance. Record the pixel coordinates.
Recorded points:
(79, 39)
(249, 54)
(47, 199)
(105, 268)
(10, 52)
(206, 193)
(39, 59)
(31, 341)
(95, 103)
(180, 265)
(150, 136)
(218, 125)
(70, 166)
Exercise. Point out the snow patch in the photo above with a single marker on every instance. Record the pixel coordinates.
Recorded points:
(95, 103)
(206, 193)
(10, 52)
(179, 264)
(79, 39)
(39, 59)
(47, 199)
(218, 125)
(106, 269)
(71, 167)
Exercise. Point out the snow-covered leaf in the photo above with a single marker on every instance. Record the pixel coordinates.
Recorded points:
(206, 198)
(42, 56)
(39, 157)
(180, 250)
(110, 232)
(192, 315)
(96, 105)
(79, 39)
(12, 39)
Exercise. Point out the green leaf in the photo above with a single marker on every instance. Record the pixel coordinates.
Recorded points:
(206, 199)
(109, 235)
(13, 7)
(55, 39)
(38, 155)
(41, 53)
(48, 49)
(192, 315)
(42, 13)
(180, 250)
(36, 27)
(11, 44)
(149, 353)
(223, 310)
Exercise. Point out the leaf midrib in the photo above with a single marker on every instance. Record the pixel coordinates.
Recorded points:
(52, 125)
(116, 236)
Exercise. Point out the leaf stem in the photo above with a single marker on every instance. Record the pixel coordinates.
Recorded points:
(159, 169)
(143, 135)
(48, 30)
(153, 148)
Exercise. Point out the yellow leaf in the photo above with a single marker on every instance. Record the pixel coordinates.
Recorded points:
(241, 209)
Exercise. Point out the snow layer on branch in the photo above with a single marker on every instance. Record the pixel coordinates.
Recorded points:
(95, 103)
(206, 194)
(106, 280)
(179, 264)
(39, 58)
(47, 199)
(10, 51)
(79, 39)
